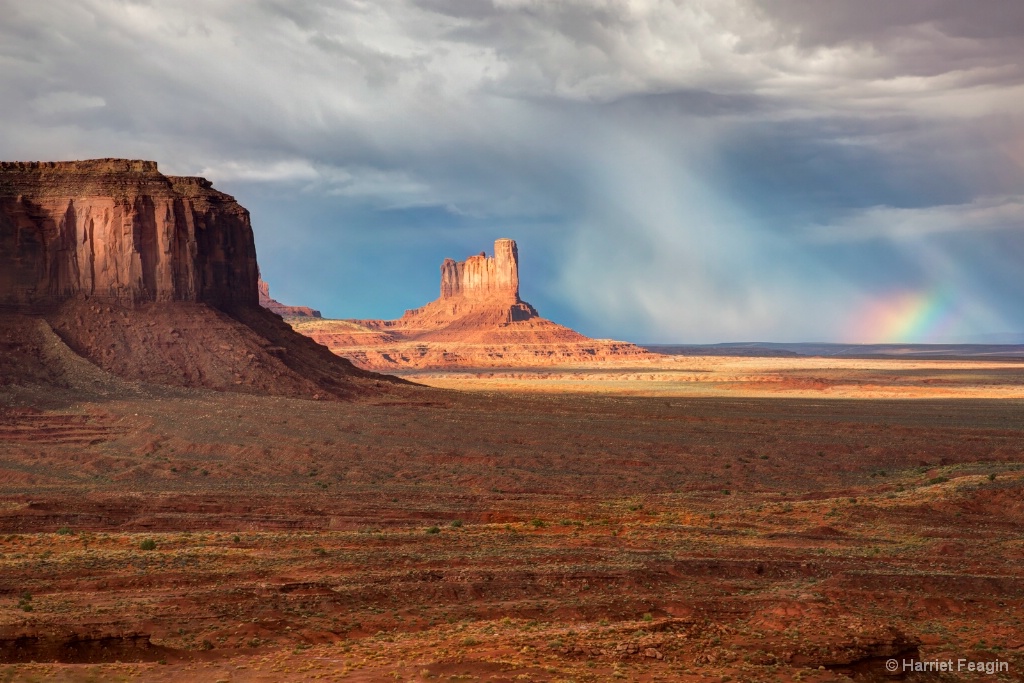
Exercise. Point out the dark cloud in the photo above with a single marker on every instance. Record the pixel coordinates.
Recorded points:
(673, 171)
(875, 21)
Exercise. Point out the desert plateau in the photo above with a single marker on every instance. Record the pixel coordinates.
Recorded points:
(190, 489)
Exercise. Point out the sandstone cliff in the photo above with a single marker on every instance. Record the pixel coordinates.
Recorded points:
(149, 277)
(480, 277)
(119, 230)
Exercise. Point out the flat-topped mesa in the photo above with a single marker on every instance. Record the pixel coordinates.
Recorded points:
(148, 277)
(119, 230)
(483, 277)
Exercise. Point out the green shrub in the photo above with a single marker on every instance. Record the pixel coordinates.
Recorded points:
(433, 530)
(456, 524)
(148, 544)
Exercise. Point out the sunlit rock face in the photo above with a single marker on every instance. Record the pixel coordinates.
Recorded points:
(479, 301)
(483, 277)
(477, 321)
(119, 230)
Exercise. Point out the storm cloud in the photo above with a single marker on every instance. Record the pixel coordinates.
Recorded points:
(692, 172)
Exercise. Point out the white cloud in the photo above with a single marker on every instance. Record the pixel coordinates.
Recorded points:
(271, 171)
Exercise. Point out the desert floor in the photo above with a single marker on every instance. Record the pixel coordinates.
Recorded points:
(708, 519)
(791, 377)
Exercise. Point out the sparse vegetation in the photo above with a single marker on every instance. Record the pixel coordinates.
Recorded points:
(585, 537)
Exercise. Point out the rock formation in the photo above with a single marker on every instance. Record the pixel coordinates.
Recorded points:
(281, 309)
(150, 277)
(478, 320)
(480, 277)
(119, 230)
(479, 303)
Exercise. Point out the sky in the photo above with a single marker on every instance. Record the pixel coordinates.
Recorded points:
(675, 172)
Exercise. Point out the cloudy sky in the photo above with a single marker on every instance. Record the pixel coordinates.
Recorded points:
(701, 171)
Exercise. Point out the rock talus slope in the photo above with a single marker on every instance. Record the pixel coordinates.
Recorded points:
(479, 320)
(149, 277)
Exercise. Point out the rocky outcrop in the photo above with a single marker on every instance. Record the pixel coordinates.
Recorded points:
(478, 321)
(118, 230)
(281, 309)
(148, 277)
(479, 300)
(481, 277)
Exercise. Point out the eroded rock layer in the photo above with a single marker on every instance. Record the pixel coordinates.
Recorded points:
(479, 320)
(119, 230)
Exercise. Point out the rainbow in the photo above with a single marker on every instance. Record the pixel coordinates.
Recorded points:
(905, 317)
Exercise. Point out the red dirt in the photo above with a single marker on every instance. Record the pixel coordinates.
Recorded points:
(179, 344)
(600, 537)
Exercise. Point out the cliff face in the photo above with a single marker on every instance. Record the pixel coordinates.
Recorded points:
(119, 230)
(477, 294)
(480, 277)
(149, 277)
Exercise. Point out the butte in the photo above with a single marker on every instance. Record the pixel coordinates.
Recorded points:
(479, 320)
(111, 270)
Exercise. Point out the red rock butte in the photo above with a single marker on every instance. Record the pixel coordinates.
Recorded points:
(480, 303)
(146, 276)
(479, 319)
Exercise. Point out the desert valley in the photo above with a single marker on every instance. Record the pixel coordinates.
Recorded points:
(193, 488)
